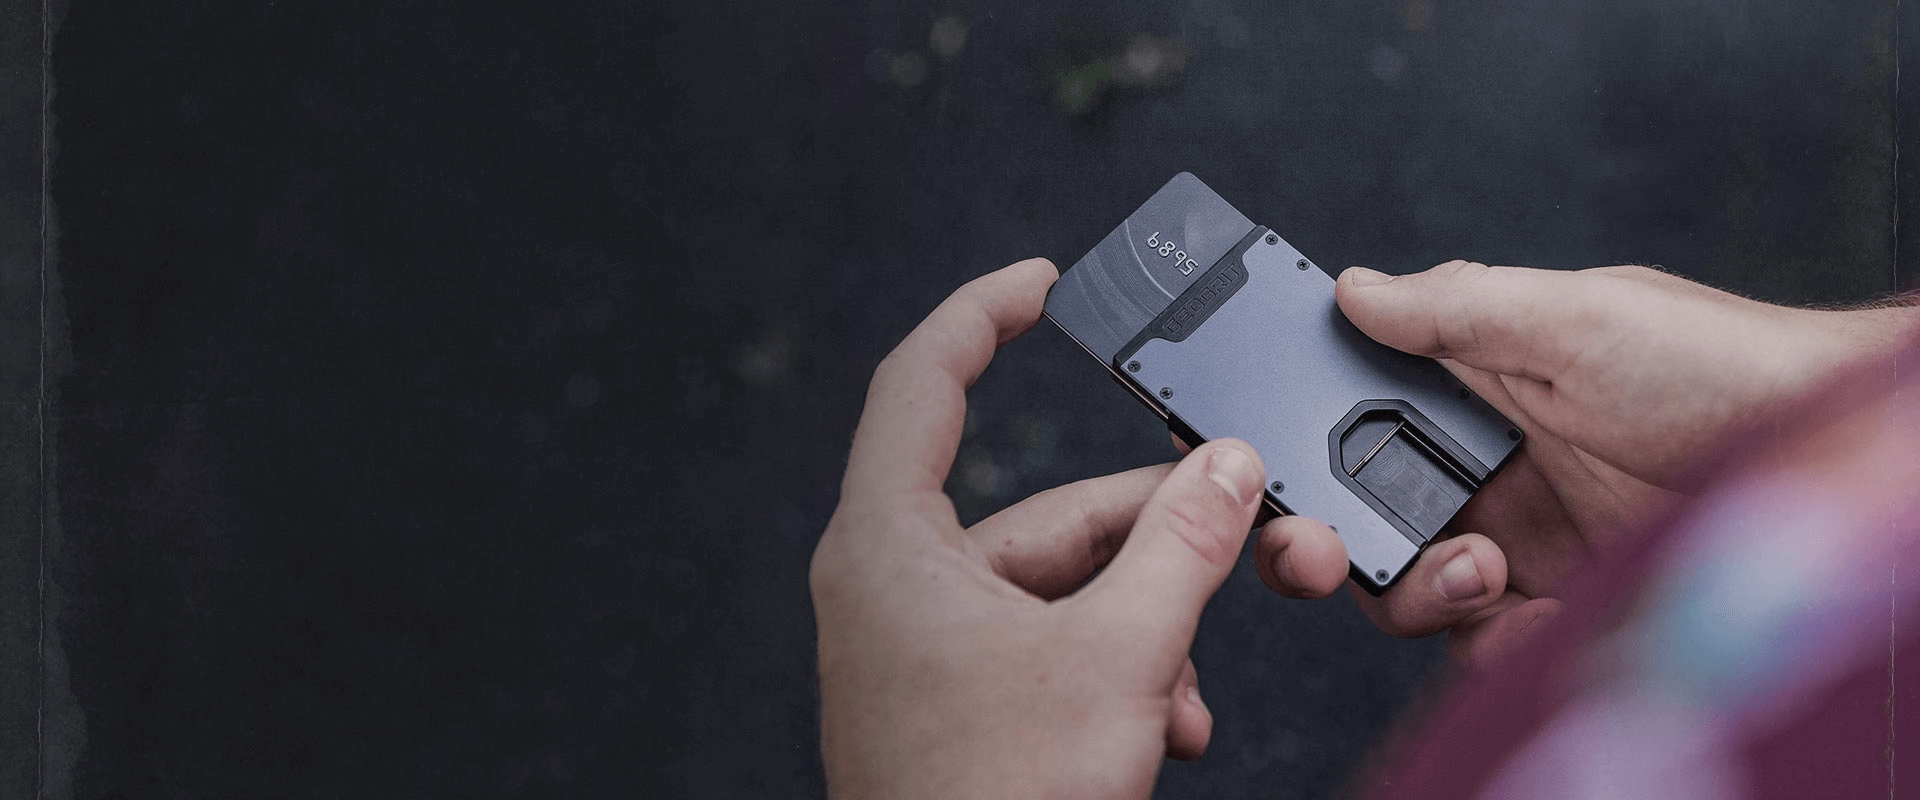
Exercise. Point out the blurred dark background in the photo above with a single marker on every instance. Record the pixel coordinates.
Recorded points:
(442, 399)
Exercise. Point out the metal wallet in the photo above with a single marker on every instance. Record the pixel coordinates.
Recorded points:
(1225, 330)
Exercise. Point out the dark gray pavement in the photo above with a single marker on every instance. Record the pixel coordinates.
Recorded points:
(443, 399)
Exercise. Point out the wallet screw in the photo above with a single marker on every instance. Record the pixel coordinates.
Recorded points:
(1513, 433)
(1278, 487)
(1380, 576)
(1133, 366)
(1272, 239)
(1463, 394)
(1166, 393)
(1302, 263)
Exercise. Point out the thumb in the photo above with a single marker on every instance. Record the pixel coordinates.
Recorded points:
(1183, 545)
(1509, 320)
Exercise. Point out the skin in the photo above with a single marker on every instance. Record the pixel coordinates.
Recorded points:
(1620, 377)
(964, 662)
(982, 662)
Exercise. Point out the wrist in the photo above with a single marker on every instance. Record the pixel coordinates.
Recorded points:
(1799, 349)
(1868, 334)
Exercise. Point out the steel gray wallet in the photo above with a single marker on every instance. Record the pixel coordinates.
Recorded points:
(1224, 330)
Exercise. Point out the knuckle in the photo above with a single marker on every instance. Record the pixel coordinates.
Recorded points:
(1196, 521)
(826, 572)
(840, 558)
(1472, 274)
(1388, 620)
(1381, 615)
(886, 373)
(976, 285)
(973, 300)
(1395, 626)
(1460, 268)
(1402, 614)
(1622, 271)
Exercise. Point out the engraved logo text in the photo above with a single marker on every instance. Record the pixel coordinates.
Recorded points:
(1203, 299)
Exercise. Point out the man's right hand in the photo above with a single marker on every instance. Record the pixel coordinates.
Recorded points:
(1621, 377)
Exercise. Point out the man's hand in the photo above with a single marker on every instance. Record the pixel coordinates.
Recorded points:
(1621, 378)
(973, 662)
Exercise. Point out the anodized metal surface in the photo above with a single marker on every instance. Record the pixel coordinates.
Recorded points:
(1279, 366)
(1113, 291)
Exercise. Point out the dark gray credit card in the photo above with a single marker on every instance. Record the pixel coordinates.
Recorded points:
(1225, 330)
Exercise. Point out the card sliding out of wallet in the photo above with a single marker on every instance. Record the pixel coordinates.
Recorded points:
(1225, 330)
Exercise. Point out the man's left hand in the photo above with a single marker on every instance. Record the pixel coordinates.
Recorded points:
(961, 662)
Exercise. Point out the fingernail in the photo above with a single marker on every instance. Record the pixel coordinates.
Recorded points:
(1361, 276)
(1460, 579)
(1235, 473)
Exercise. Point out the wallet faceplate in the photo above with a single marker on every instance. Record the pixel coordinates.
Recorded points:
(1381, 445)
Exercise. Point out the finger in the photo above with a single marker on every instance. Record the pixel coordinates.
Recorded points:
(1453, 580)
(1300, 557)
(1049, 543)
(1191, 725)
(1181, 548)
(916, 404)
(1487, 639)
(1180, 444)
(1510, 320)
(1524, 516)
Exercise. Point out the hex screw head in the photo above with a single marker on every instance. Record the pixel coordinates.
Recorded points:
(1302, 263)
(1166, 393)
(1513, 433)
(1133, 366)
(1272, 239)
(1380, 576)
(1278, 487)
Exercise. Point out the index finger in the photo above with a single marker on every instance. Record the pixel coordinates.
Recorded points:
(917, 402)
